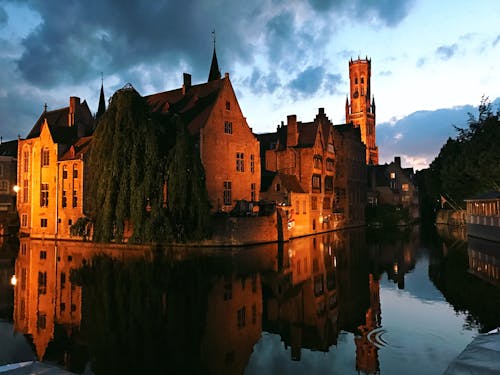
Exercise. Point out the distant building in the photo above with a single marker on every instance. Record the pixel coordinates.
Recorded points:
(8, 178)
(361, 108)
(317, 171)
(393, 185)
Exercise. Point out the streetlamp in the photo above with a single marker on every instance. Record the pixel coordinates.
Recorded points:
(16, 188)
(13, 280)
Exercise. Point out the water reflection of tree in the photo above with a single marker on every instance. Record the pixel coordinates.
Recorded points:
(144, 317)
(464, 291)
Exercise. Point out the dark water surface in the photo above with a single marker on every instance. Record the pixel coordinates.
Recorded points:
(349, 302)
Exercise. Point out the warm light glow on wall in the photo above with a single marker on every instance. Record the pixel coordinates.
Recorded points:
(16, 188)
(13, 280)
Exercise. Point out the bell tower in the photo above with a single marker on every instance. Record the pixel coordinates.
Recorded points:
(361, 110)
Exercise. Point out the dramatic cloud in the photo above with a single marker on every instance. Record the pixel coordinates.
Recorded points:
(309, 81)
(387, 12)
(446, 52)
(497, 39)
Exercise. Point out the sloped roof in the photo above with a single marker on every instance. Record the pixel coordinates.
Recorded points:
(9, 148)
(307, 133)
(79, 148)
(491, 195)
(290, 183)
(194, 105)
(58, 123)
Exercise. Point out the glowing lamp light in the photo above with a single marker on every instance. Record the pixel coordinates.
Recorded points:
(13, 280)
(16, 189)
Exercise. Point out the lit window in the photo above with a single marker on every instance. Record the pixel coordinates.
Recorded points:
(240, 163)
(405, 187)
(227, 193)
(393, 175)
(45, 157)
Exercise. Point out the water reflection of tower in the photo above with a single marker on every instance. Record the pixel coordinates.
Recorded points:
(366, 339)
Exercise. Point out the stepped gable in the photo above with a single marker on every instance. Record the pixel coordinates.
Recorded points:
(192, 103)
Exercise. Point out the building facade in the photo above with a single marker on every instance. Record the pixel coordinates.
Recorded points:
(229, 151)
(49, 172)
(301, 166)
(360, 109)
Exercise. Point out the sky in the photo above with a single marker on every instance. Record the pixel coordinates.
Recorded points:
(432, 61)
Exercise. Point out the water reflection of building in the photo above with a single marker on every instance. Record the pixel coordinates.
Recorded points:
(301, 303)
(44, 295)
(233, 322)
(395, 254)
(484, 259)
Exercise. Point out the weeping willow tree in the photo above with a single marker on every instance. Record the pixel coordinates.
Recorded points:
(125, 171)
(187, 195)
(136, 158)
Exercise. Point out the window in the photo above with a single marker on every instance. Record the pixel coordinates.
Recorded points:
(43, 254)
(43, 223)
(64, 199)
(4, 185)
(63, 280)
(44, 195)
(70, 222)
(75, 199)
(317, 162)
(278, 187)
(228, 127)
(254, 314)
(252, 192)
(304, 207)
(62, 306)
(41, 321)
(42, 282)
(241, 317)
(25, 191)
(314, 203)
(329, 184)
(26, 161)
(329, 164)
(24, 277)
(356, 80)
(326, 204)
(45, 157)
(330, 148)
(297, 207)
(228, 105)
(1, 170)
(252, 164)
(240, 162)
(405, 187)
(316, 183)
(24, 220)
(65, 173)
(393, 175)
(227, 193)
(75, 171)
(362, 79)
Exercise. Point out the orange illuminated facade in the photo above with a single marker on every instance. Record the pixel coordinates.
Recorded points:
(360, 106)
(52, 155)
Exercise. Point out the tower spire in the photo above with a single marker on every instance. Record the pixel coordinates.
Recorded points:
(214, 67)
(102, 102)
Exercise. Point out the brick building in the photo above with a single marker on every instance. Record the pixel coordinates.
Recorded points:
(361, 108)
(317, 171)
(228, 149)
(50, 170)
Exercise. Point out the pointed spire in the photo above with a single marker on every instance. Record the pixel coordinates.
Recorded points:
(214, 67)
(102, 102)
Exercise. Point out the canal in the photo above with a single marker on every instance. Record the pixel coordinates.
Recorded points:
(371, 302)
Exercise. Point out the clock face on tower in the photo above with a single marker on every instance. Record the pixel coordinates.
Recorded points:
(355, 95)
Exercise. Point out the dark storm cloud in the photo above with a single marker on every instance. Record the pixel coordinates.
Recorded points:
(309, 81)
(80, 39)
(446, 52)
(388, 12)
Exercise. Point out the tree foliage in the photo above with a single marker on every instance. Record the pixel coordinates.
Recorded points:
(468, 164)
(132, 154)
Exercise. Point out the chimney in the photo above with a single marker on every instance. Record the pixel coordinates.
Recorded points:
(397, 161)
(292, 132)
(321, 111)
(74, 102)
(187, 83)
